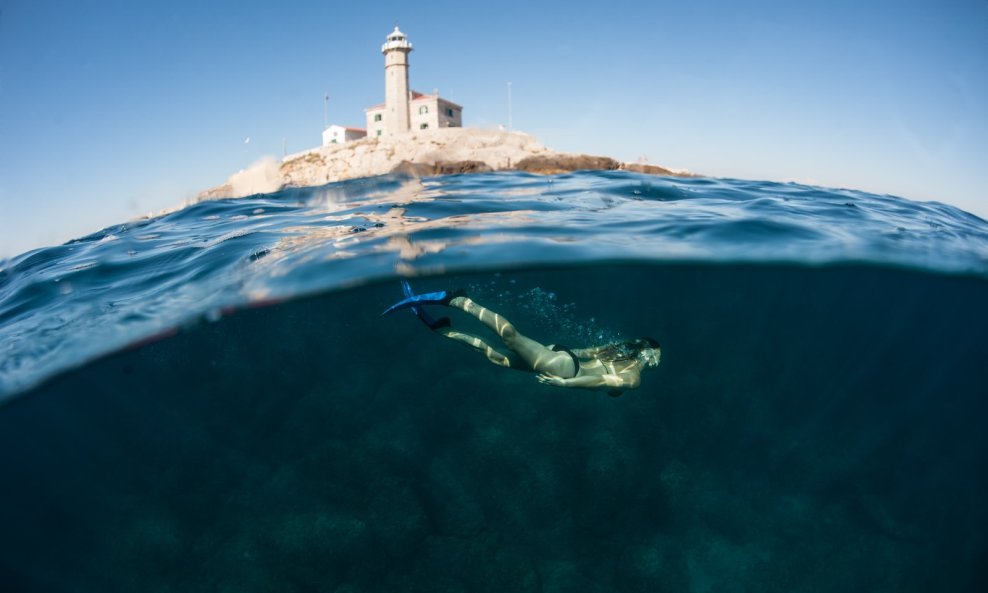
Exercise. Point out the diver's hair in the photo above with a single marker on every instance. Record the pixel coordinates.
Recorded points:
(628, 350)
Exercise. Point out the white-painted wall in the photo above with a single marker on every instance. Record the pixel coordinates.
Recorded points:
(425, 111)
(430, 112)
(336, 134)
(450, 114)
(376, 127)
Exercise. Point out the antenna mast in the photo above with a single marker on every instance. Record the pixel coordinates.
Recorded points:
(325, 111)
(509, 105)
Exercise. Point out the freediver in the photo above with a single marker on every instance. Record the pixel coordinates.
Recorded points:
(614, 367)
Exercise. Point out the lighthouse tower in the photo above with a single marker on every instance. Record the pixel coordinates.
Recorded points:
(403, 109)
(396, 93)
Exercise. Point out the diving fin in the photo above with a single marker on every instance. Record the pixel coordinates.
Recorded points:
(420, 312)
(414, 301)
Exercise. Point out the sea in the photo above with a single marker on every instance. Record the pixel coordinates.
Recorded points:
(210, 400)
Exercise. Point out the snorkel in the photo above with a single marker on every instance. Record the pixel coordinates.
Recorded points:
(650, 354)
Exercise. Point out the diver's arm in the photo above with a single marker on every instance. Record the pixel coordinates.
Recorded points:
(609, 381)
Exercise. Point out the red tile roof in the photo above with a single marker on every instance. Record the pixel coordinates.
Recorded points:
(416, 96)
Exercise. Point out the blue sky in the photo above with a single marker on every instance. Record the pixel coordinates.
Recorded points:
(109, 110)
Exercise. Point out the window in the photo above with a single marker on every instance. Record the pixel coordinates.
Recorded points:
(379, 132)
(423, 126)
(449, 111)
(377, 117)
(423, 109)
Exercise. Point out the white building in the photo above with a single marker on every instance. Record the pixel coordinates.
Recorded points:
(403, 109)
(336, 134)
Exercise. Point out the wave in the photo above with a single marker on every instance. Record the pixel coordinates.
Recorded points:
(63, 306)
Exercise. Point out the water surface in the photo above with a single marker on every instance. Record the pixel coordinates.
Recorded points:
(815, 424)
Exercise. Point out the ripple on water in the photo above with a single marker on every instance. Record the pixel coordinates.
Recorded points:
(61, 306)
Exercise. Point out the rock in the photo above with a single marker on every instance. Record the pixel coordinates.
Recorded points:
(216, 193)
(456, 167)
(647, 169)
(419, 153)
(654, 170)
(414, 169)
(441, 168)
(552, 164)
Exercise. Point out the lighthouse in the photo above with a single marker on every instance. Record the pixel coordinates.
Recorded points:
(404, 109)
(396, 93)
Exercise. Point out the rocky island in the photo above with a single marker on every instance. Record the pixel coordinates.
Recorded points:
(413, 133)
(419, 153)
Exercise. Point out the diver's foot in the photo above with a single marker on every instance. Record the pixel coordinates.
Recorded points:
(458, 293)
(440, 323)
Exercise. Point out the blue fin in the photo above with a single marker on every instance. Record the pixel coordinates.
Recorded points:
(420, 312)
(429, 298)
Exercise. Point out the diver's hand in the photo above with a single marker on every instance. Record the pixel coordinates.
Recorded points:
(548, 379)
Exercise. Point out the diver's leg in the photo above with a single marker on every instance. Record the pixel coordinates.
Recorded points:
(477, 344)
(537, 356)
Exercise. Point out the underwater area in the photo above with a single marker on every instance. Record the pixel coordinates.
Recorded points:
(211, 401)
